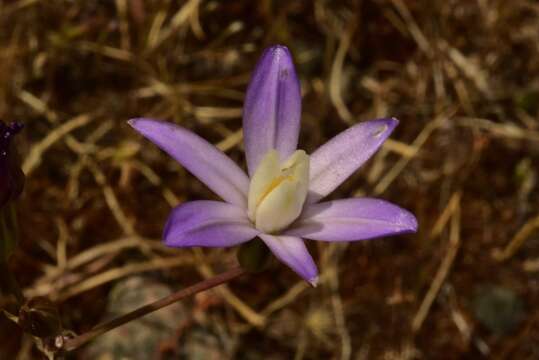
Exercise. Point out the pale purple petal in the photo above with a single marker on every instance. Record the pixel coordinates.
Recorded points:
(209, 224)
(353, 219)
(272, 109)
(202, 159)
(340, 157)
(293, 252)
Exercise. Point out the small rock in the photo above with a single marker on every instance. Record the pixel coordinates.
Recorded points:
(139, 339)
(498, 309)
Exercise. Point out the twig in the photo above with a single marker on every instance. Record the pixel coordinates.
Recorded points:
(78, 341)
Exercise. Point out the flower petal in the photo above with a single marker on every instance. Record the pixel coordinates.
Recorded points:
(202, 159)
(337, 159)
(353, 219)
(293, 252)
(209, 224)
(272, 109)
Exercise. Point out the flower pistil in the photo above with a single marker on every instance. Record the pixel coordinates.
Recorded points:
(278, 191)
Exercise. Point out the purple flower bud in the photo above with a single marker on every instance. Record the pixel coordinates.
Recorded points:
(11, 175)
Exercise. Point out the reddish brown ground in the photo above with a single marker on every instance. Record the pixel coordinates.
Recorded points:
(462, 76)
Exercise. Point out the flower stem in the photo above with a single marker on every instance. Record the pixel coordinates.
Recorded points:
(78, 341)
(10, 283)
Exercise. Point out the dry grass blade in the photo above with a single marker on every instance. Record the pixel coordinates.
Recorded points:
(155, 180)
(503, 129)
(443, 270)
(61, 245)
(108, 51)
(413, 28)
(111, 199)
(517, 241)
(398, 147)
(251, 316)
(445, 216)
(336, 250)
(15, 6)
(209, 114)
(181, 18)
(95, 252)
(121, 272)
(122, 8)
(336, 78)
(34, 158)
(37, 105)
(419, 141)
(290, 296)
(531, 265)
(470, 69)
(230, 141)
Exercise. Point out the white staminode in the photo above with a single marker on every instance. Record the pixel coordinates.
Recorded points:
(277, 192)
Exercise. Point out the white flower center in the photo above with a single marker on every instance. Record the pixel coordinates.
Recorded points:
(277, 192)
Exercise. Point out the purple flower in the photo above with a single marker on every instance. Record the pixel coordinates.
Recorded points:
(279, 201)
(11, 175)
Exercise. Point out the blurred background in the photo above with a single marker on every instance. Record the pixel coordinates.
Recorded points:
(461, 75)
